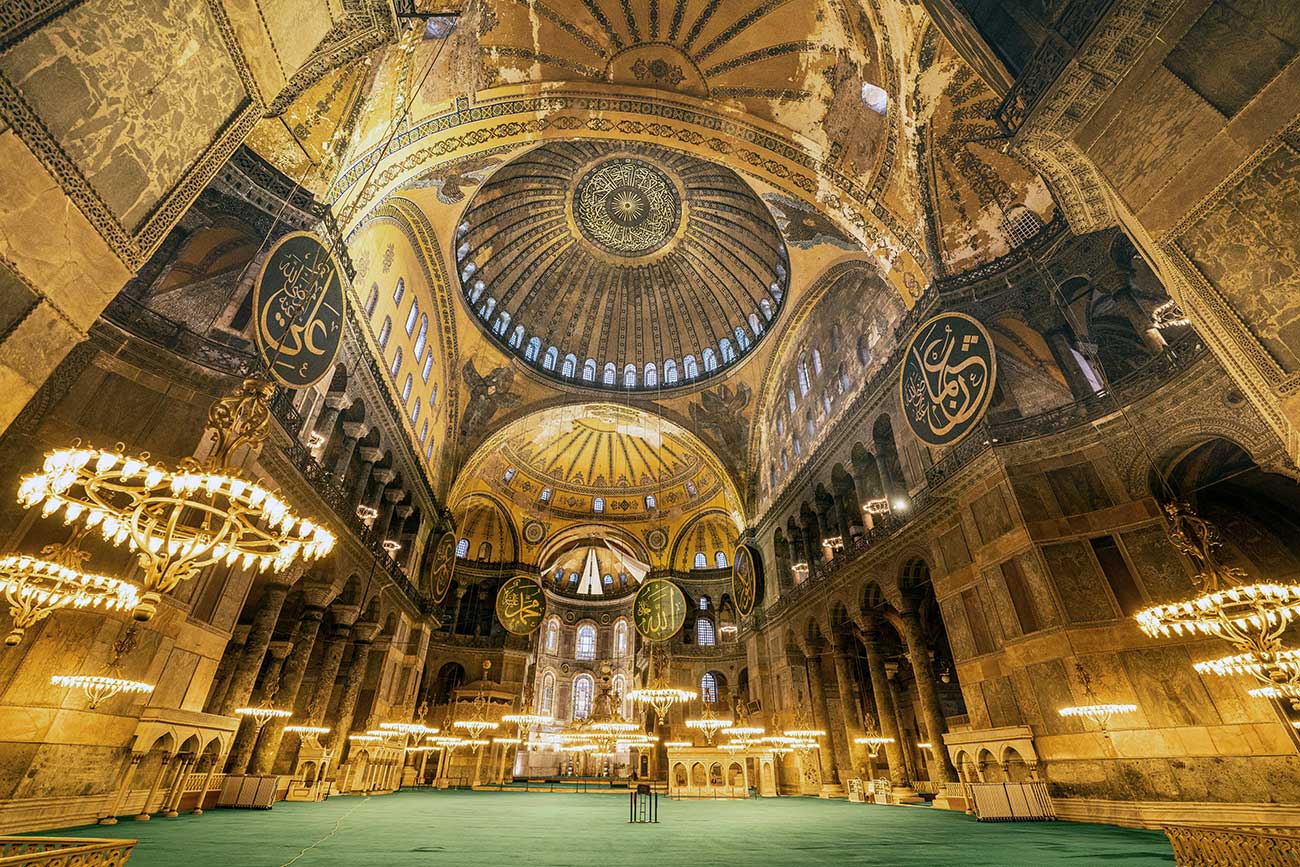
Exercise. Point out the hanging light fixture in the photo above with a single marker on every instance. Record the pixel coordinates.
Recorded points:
(182, 519)
(36, 587)
(708, 723)
(99, 688)
(660, 694)
(309, 736)
(476, 721)
(263, 713)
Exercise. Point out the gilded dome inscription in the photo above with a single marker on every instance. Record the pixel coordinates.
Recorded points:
(626, 206)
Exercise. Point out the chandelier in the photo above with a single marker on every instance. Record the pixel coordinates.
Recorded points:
(263, 713)
(1250, 617)
(99, 688)
(183, 519)
(1099, 712)
(659, 693)
(37, 587)
(708, 723)
(308, 735)
(803, 737)
(476, 722)
(606, 731)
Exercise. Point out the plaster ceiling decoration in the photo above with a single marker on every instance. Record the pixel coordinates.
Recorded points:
(598, 463)
(621, 267)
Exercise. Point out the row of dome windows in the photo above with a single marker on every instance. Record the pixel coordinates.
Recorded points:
(598, 503)
(632, 376)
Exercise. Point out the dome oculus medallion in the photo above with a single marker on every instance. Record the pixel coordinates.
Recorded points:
(624, 267)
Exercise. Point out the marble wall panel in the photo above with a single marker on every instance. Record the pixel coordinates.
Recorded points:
(954, 623)
(1039, 586)
(1247, 245)
(992, 518)
(132, 91)
(1000, 696)
(1078, 489)
(1079, 583)
(1169, 691)
(952, 545)
(1034, 496)
(1004, 608)
(1160, 571)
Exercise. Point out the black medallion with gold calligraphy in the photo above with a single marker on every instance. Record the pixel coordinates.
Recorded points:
(947, 378)
(746, 579)
(299, 300)
(659, 609)
(521, 605)
(443, 566)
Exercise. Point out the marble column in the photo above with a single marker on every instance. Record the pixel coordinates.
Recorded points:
(253, 653)
(353, 431)
(335, 645)
(369, 457)
(380, 478)
(900, 718)
(226, 668)
(397, 531)
(849, 707)
(383, 524)
(363, 634)
(173, 800)
(217, 761)
(127, 779)
(1064, 352)
(885, 719)
(246, 738)
(821, 707)
(329, 416)
(143, 815)
(931, 710)
(316, 595)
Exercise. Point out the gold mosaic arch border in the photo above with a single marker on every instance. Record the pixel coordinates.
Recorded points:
(410, 220)
(506, 508)
(680, 536)
(526, 114)
(818, 287)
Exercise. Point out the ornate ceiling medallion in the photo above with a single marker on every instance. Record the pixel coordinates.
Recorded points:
(627, 207)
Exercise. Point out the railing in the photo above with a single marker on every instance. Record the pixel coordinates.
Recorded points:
(62, 851)
(337, 498)
(132, 316)
(1073, 26)
(1229, 847)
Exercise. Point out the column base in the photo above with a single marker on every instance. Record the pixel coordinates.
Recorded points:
(143, 817)
(831, 790)
(197, 811)
(905, 795)
(171, 814)
(108, 820)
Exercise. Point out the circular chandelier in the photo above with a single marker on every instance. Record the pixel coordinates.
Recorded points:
(1250, 616)
(476, 722)
(1099, 713)
(873, 743)
(263, 714)
(99, 688)
(183, 519)
(36, 587)
(709, 723)
(659, 692)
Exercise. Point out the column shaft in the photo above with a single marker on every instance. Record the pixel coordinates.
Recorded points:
(931, 710)
(885, 712)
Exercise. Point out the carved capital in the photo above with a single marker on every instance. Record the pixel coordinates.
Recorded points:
(365, 632)
(339, 402)
(278, 650)
(355, 430)
(384, 475)
(345, 615)
(371, 454)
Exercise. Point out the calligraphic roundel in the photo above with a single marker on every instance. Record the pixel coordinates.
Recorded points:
(299, 300)
(521, 605)
(659, 609)
(443, 566)
(947, 378)
(746, 579)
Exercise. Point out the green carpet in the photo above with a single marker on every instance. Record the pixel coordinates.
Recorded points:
(491, 829)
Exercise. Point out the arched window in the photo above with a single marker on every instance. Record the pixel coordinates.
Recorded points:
(479, 287)
(710, 359)
(415, 411)
(535, 349)
(485, 551)
(570, 365)
(766, 307)
(589, 370)
(785, 462)
(836, 337)
(508, 475)
(549, 359)
(670, 372)
(720, 559)
(546, 495)
(397, 363)
(808, 423)
(771, 476)
(412, 316)
(709, 688)
(842, 379)
(406, 389)
(789, 398)
(804, 382)
(826, 403)
(651, 375)
(649, 501)
(399, 290)
(607, 581)
(798, 445)
(516, 336)
(742, 339)
(502, 325)
(428, 450)
(424, 431)
(629, 376)
(704, 636)
(620, 638)
(690, 488)
(728, 354)
(817, 362)
(689, 368)
(486, 310)
(598, 504)
(701, 562)
(385, 331)
(547, 704)
(582, 689)
(462, 548)
(780, 425)
(552, 635)
(863, 353)
(705, 602)
(755, 324)
(620, 695)
(372, 301)
(428, 366)
(586, 647)
(610, 375)
(875, 98)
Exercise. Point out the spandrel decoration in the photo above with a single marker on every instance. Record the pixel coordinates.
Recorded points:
(299, 302)
(947, 379)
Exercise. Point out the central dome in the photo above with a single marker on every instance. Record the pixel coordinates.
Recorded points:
(628, 267)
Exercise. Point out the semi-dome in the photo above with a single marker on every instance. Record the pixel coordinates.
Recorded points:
(627, 267)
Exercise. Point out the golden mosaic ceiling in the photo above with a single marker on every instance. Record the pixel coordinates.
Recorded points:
(625, 267)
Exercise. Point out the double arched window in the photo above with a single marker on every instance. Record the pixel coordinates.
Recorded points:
(586, 646)
(583, 687)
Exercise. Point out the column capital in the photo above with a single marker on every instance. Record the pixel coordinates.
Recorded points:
(338, 401)
(392, 495)
(404, 511)
(365, 632)
(278, 650)
(345, 615)
(355, 430)
(371, 454)
(316, 594)
(383, 475)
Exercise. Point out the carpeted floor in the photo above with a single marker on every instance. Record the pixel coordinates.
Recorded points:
(490, 829)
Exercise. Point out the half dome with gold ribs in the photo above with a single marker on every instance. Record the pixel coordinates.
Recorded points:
(626, 267)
